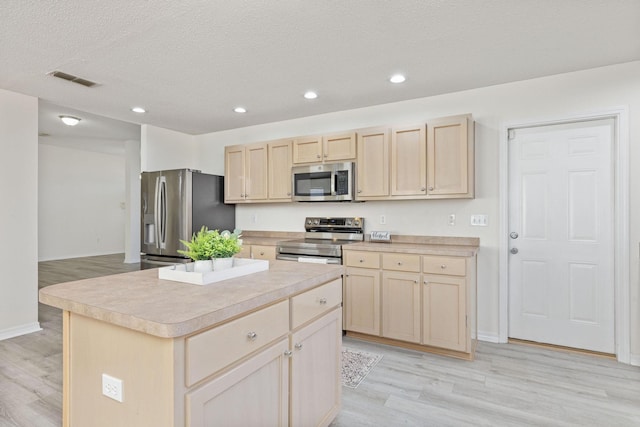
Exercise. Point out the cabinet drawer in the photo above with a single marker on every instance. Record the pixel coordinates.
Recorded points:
(362, 259)
(212, 350)
(310, 304)
(263, 252)
(401, 262)
(454, 266)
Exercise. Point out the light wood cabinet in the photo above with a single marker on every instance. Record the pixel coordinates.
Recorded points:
(373, 164)
(246, 173)
(315, 371)
(263, 252)
(423, 302)
(362, 300)
(255, 393)
(409, 161)
(401, 306)
(279, 170)
(330, 148)
(450, 158)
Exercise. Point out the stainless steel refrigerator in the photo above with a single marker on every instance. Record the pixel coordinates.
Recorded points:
(175, 204)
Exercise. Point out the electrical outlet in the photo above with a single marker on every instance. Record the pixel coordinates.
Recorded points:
(112, 387)
(383, 219)
(254, 218)
(452, 219)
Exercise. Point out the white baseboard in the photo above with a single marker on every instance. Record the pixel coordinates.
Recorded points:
(634, 360)
(488, 337)
(19, 330)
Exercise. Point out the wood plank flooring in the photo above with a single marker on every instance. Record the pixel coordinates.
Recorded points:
(507, 384)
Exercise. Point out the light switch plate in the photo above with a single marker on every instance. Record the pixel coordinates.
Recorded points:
(479, 220)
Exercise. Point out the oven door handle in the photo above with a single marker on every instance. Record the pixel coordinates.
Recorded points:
(333, 184)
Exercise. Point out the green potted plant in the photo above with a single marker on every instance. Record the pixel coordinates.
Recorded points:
(224, 245)
(200, 250)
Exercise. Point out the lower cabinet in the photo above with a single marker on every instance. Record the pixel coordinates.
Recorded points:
(424, 302)
(266, 252)
(315, 360)
(401, 306)
(362, 301)
(255, 393)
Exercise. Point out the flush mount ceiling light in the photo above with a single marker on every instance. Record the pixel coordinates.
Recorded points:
(397, 78)
(310, 95)
(139, 110)
(69, 120)
(240, 110)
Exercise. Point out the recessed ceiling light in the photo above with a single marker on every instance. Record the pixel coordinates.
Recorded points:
(69, 120)
(240, 110)
(397, 78)
(138, 110)
(310, 95)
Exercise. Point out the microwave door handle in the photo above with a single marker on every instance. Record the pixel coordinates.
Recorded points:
(333, 184)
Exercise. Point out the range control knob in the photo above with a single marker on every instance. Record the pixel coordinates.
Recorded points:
(316, 221)
(356, 223)
(348, 222)
(309, 221)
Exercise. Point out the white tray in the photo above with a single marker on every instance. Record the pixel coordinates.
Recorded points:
(184, 272)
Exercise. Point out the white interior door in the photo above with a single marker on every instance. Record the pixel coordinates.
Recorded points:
(561, 261)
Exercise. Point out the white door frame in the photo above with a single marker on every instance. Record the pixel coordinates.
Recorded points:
(621, 219)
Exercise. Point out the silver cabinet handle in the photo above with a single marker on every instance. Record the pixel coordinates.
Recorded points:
(443, 266)
(261, 253)
(399, 262)
(326, 155)
(423, 189)
(514, 250)
(513, 235)
(359, 191)
(426, 282)
(415, 281)
(317, 156)
(252, 336)
(298, 346)
(323, 300)
(288, 353)
(289, 193)
(430, 188)
(361, 260)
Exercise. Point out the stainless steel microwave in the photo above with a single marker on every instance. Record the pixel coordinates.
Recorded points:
(330, 182)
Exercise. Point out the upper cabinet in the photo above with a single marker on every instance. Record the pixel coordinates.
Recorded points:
(435, 160)
(279, 170)
(245, 173)
(318, 149)
(409, 161)
(450, 157)
(372, 167)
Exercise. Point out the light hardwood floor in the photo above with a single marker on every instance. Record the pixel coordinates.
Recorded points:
(507, 384)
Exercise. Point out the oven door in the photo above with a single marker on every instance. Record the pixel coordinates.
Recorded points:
(332, 182)
(309, 259)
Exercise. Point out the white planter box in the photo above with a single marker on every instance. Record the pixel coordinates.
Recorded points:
(184, 272)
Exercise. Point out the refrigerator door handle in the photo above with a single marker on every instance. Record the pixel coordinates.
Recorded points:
(156, 213)
(163, 212)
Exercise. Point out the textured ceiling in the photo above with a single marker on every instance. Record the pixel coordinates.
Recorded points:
(191, 62)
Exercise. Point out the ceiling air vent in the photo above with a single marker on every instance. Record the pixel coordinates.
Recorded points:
(72, 78)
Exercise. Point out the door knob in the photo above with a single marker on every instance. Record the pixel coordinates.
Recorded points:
(514, 250)
(513, 235)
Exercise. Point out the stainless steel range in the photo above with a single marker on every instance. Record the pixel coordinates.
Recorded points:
(323, 240)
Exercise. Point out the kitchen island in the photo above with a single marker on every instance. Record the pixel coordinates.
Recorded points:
(262, 349)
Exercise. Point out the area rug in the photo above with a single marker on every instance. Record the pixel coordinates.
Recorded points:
(356, 365)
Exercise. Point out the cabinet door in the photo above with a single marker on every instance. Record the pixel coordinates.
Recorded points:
(409, 161)
(280, 170)
(339, 147)
(256, 172)
(362, 301)
(373, 164)
(234, 173)
(401, 306)
(444, 312)
(263, 252)
(450, 157)
(307, 150)
(245, 252)
(255, 393)
(315, 371)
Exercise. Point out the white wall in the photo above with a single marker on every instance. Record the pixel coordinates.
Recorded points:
(18, 214)
(492, 107)
(81, 210)
(163, 149)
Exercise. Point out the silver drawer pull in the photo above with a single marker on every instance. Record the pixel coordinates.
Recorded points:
(361, 260)
(399, 262)
(323, 300)
(288, 353)
(298, 346)
(443, 266)
(252, 336)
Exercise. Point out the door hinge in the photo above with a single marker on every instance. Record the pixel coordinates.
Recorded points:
(511, 134)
